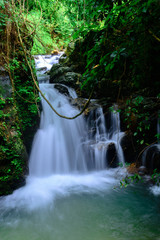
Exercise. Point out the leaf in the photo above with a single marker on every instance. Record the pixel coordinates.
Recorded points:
(96, 66)
(114, 54)
(144, 10)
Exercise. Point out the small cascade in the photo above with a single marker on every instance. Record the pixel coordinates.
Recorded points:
(100, 140)
(152, 150)
(44, 63)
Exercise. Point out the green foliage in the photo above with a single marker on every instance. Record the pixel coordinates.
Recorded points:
(26, 96)
(130, 179)
(11, 150)
(135, 178)
(50, 25)
(18, 121)
(123, 46)
(137, 117)
(19, 114)
(156, 177)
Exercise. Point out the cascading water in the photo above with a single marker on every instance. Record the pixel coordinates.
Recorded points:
(69, 192)
(44, 64)
(65, 156)
(57, 147)
(156, 146)
(63, 146)
(100, 139)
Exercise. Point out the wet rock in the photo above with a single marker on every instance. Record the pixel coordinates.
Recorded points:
(64, 75)
(80, 103)
(112, 158)
(62, 89)
(142, 171)
(42, 69)
(58, 70)
(72, 79)
(152, 158)
(63, 59)
(128, 148)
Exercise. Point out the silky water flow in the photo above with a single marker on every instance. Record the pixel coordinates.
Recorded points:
(63, 146)
(71, 192)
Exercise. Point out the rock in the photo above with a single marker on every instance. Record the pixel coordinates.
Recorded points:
(55, 52)
(5, 86)
(128, 148)
(70, 48)
(62, 89)
(142, 171)
(64, 75)
(72, 78)
(58, 70)
(90, 110)
(152, 160)
(63, 59)
(42, 69)
(2, 69)
(112, 158)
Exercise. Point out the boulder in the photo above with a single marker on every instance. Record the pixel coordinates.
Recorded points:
(64, 75)
(58, 70)
(152, 158)
(142, 171)
(128, 148)
(112, 158)
(5, 86)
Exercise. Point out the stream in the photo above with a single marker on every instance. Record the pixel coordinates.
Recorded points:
(71, 192)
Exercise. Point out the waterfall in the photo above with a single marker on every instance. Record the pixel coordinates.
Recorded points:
(68, 156)
(64, 146)
(100, 139)
(156, 146)
(57, 147)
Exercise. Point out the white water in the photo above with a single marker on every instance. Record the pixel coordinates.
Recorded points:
(45, 62)
(64, 146)
(153, 145)
(65, 157)
(154, 189)
(100, 138)
(70, 191)
(57, 147)
(61, 161)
